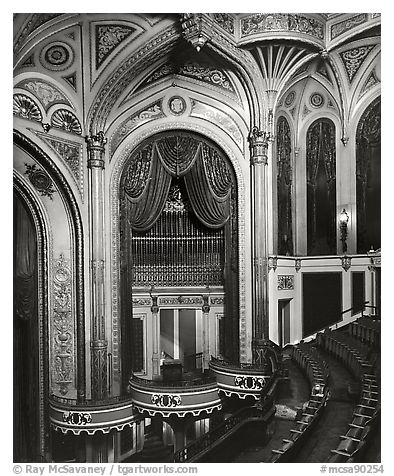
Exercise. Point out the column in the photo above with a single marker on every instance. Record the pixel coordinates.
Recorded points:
(205, 332)
(155, 336)
(95, 147)
(259, 141)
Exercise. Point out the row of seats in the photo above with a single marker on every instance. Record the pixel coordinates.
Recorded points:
(353, 353)
(317, 372)
(365, 421)
(367, 330)
(366, 414)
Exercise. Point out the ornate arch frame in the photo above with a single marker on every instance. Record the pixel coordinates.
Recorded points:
(27, 197)
(114, 184)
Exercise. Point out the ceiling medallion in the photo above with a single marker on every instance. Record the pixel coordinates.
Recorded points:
(40, 181)
(57, 56)
(316, 100)
(290, 98)
(177, 105)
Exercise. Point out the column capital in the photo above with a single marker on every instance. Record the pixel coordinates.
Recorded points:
(259, 141)
(95, 145)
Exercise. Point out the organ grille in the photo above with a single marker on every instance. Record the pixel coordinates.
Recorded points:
(178, 250)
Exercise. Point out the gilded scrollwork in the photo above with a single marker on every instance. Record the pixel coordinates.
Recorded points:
(62, 326)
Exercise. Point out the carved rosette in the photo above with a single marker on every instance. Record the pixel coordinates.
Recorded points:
(40, 181)
(62, 326)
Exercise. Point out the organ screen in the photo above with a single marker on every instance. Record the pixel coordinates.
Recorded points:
(178, 250)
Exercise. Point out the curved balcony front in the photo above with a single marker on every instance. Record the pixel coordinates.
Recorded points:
(242, 380)
(180, 398)
(68, 415)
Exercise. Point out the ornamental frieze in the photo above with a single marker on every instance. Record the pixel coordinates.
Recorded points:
(285, 282)
(215, 301)
(46, 93)
(150, 113)
(249, 382)
(225, 20)
(271, 22)
(142, 302)
(72, 155)
(108, 37)
(62, 326)
(77, 418)
(166, 400)
(354, 58)
(177, 300)
(211, 114)
(343, 26)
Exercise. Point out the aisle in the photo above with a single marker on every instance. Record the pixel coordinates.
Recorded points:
(294, 393)
(335, 418)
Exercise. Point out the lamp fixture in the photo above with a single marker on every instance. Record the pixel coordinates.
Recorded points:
(343, 222)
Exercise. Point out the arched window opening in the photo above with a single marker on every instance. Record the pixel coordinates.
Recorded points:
(179, 228)
(284, 188)
(368, 170)
(321, 187)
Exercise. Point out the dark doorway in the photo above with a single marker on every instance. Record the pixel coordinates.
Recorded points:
(284, 322)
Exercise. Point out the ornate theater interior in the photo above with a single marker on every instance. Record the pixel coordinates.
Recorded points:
(197, 237)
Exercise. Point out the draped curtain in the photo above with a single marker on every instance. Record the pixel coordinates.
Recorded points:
(368, 170)
(210, 185)
(321, 187)
(25, 330)
(284, 185)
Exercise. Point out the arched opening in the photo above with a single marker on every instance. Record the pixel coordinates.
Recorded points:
(321, 187)
(179, 229)
(284, 188)
(368, 171)
(26, 336)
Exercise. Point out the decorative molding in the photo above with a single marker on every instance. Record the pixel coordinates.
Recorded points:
(150, 113)
(40, 181)
(272, 263)
(221, 119)
(297, 264)
(207, 74)
(142, 301)
(166, 400)
(371, 81)
(26, 108)
(354, 58)
(181, 300)
(62, 326)
(342, 27)
(346, 262)
(46, 93)
(71, 154)
(66, 120)
(71, 79)
(281, 22)
(77, 418)
(285, 282)
(249, 382)
(177, 105)
(305, 111)
(217, 301)
(108, 37)
(35, 21)
(225, 20)
(57, 56)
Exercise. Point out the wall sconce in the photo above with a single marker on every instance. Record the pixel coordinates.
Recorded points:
(343, 221)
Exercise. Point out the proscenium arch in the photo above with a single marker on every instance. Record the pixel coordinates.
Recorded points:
(118, 163)
(27, 198)
(72, 208)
